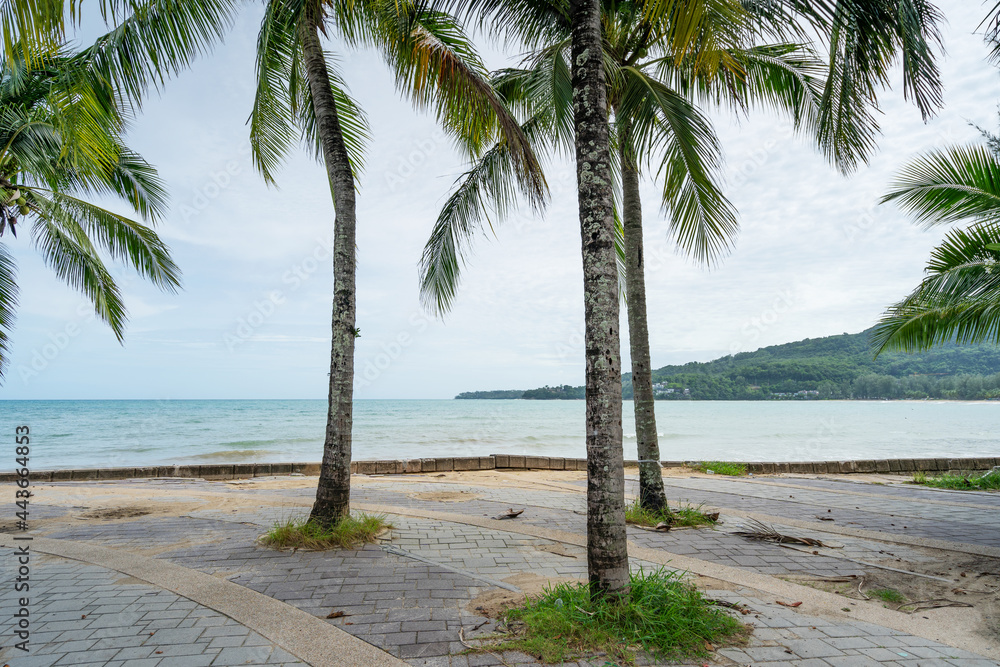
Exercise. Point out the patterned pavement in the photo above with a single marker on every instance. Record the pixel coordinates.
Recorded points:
(411, 595)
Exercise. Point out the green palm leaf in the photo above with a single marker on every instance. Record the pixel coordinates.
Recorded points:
(949, 185)
(489, 186)
(67, 251)
(702, 221)
(8, 303)
(123, 239)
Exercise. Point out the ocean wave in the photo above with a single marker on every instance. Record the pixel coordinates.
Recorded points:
(235, 455)
(265, 443)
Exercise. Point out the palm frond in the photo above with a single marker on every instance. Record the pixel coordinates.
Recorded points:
(490, 185)
(156, 40)
(949, 185)
(124, 240)
(272, 122)
(702, 221)
(8, 304)
(958, 301)
(437, 67)
(67, 251)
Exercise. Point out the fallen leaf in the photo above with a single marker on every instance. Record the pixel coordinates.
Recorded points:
(788, 604)
(336, 614)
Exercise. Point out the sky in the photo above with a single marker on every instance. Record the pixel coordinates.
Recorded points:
(816, 256)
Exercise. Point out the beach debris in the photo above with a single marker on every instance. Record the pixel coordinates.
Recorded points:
(934, 603)
(861, 592)
(511, 514)
(760, 531)
(789, 604)
(735, 606)
(337, 614)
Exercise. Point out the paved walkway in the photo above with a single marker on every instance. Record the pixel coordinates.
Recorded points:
(177, 579)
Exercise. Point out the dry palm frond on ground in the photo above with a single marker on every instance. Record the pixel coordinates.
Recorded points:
(761, 531)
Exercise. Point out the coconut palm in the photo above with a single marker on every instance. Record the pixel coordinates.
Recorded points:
(653, 85)
(62, 142)
(863, 37)
(300, 92)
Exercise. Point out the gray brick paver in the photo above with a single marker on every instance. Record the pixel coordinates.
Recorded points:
(389, 592)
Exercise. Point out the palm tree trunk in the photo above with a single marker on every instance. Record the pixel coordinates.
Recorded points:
(333, 493)
(651, 495)
(607, 557)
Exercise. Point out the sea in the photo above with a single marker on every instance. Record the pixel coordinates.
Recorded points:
(89, 434)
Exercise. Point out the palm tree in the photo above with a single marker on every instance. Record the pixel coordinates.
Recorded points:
(654, 77)
(299, 91)
(959, 299)
(62, 140)
(864, 38)
(607, 554)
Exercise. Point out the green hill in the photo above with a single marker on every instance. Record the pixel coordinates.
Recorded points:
(834, 367)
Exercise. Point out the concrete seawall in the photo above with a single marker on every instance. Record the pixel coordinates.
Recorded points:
(494, 462)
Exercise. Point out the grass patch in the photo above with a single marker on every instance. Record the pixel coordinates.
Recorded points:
(888, 595)
(676, 517)
(355, 530)
(988, 481)
(722, 468)
(661, 615)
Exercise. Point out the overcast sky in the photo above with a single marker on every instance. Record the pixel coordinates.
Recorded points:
(816, 255)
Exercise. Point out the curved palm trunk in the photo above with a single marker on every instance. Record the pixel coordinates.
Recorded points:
(651, 495)
(333, 494)
(607, 557)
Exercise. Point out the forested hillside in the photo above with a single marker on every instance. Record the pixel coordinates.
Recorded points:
(834, 367)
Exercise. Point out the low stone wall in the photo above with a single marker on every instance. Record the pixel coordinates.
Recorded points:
(494, 462)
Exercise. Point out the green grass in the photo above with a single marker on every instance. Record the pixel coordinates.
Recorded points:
(978, 482)
(661, 615)
(888, 595)
(677, 517)
(722, 468)
(304, 534)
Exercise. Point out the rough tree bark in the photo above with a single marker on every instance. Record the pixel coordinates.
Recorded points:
(333, 494)
(651, 494)
(607, 557)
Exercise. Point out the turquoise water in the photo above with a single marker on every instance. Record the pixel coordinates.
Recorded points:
(69, 434)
